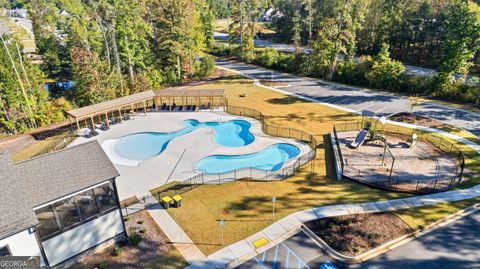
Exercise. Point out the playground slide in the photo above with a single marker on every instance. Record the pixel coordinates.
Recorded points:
(361, 136)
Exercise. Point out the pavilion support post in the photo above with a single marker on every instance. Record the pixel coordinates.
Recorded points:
(106, 120)
(170, 101)
(145, 107)
(78, 125)
(132, 110)
(155, 103)
(120, 114)
(86, 124)
(93, 122)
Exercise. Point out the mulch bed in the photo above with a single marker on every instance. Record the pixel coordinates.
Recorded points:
(418, 120)
(153, 246)
(353, 235)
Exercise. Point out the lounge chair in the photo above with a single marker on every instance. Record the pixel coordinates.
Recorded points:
(194, 108)
(180, 108)
(189, 108)
(104, 126)
(163, 107)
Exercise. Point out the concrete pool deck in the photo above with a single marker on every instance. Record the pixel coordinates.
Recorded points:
(177, 161)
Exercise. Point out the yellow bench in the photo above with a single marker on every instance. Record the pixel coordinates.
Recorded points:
(260, 242)
(177, 198)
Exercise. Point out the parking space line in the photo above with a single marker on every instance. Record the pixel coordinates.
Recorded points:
(275, 258)
(261, 263)
(287, 260)
(294, 254)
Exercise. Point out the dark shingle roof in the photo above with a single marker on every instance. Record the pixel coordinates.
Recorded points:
(15, 214)
(48, 177)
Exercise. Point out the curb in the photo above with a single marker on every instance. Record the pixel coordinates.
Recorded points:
(400, 241)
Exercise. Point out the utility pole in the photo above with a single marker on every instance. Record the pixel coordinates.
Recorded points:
(23, 67)
(24, 93)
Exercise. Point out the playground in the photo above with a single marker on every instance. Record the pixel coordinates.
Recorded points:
(405, 162)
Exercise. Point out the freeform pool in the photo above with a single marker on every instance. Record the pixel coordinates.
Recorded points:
(269, 159)
(143, 146)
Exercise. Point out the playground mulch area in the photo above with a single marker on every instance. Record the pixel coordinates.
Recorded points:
(424, 163)
(353, 235)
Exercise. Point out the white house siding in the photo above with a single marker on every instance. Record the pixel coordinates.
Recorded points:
(79, 239)
(22, 244)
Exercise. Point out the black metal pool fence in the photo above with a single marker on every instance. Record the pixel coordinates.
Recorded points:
(287, 170)
(388, 181)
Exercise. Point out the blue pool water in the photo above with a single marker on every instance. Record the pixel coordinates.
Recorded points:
(143, 146)
(269, 159)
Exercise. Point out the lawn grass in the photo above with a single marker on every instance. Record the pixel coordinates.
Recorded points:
(420, 217)
(246, 205)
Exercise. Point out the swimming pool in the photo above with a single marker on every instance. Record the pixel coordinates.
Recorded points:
(269, 159)
(143, 146)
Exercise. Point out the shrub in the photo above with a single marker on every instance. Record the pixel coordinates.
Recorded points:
(385, 72)
(117, 251)
(103, 265)
(268, 57)
(134, 239)
(204, 67)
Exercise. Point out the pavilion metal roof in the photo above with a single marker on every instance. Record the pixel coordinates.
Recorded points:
(110, 105)
(174, 92)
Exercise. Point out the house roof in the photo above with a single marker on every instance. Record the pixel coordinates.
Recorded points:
(110, 105)
(15, 213)
(46, 178)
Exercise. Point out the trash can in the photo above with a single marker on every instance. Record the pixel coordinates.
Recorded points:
(166, 202)
(177, 200)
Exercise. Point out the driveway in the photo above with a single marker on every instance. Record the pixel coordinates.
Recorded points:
(356, 99)
(456, 245)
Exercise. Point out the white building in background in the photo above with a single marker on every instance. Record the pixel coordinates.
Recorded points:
(59, 205)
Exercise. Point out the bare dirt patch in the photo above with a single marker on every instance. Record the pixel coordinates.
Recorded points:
(355, 234)
(153, 251)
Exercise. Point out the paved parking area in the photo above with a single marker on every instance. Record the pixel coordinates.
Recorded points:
(456, 245)
(295, 253)
(356, 99)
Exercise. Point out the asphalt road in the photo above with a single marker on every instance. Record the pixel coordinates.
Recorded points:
(382, 103)
(456, 245)
(409, 69)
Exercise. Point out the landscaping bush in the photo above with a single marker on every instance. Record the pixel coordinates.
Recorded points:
(117, 251)
(134, 238)
(103, 265)
(204, 67)
(354, 73)
(385, 73)
(268, 57)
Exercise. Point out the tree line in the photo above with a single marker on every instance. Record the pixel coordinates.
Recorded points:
(365, 42)
(108, 48)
